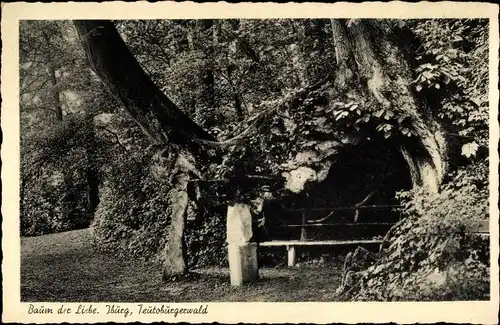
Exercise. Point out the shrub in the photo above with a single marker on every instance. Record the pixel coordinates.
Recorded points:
(133, 219)
(433, 253)
(53, 179)
(206, 239)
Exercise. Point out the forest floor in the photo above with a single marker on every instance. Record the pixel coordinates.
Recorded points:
(64, 267)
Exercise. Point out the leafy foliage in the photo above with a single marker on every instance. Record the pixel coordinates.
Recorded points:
(59, 154)
(434, 253)
(453, 69)
(206, 239)
(54, 165)
(218, 70)
(132, 217)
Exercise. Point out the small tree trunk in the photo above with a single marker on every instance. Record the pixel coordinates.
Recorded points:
(53, 81)
(206, 100)
(92, 174)
(240, 115)
(237, 107)
(55, 93)
(233, 48)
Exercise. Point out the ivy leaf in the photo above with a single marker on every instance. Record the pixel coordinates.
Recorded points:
(379, 113)
(341, 115)
(428, 74)
(389, 115)
(437, 86)
(470, 149)
(402, 118)
(419, 88)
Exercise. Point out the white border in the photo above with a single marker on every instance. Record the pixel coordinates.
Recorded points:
(13, 310)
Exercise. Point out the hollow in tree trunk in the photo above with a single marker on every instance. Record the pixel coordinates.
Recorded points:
(367, 54)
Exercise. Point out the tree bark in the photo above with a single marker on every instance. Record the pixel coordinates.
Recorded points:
(175, 250)
(206, 99)
(386, 78)
(344, 73)
(153, 111)
(55, 93)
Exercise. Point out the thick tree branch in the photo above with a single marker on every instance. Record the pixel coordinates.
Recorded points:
(156, 114)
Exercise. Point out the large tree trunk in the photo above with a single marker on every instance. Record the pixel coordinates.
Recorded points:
(165, 124)
(154, 112)
(386, 78)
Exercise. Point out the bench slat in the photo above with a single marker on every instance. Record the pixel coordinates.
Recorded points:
(319, 243)
(483, 228)
(359, 224)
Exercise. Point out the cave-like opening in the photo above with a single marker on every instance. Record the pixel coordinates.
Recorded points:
(368, 174)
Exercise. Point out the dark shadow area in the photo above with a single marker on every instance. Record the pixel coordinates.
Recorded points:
(368, 175)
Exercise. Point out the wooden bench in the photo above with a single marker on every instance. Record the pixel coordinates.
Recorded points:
(292, 244)
(482, 230)
(320, 223)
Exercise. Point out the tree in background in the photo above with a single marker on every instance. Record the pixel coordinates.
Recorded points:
(59, 153)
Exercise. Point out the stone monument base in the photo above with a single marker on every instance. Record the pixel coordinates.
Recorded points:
(243, 265)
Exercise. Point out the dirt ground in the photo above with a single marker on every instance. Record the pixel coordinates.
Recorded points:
(64, 267)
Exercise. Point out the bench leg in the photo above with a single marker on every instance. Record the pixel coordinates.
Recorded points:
(291, 255)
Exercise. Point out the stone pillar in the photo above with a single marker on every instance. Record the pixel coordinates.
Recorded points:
(291, 255)
(242, 254)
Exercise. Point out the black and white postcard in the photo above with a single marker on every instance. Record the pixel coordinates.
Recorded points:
(292, 163)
